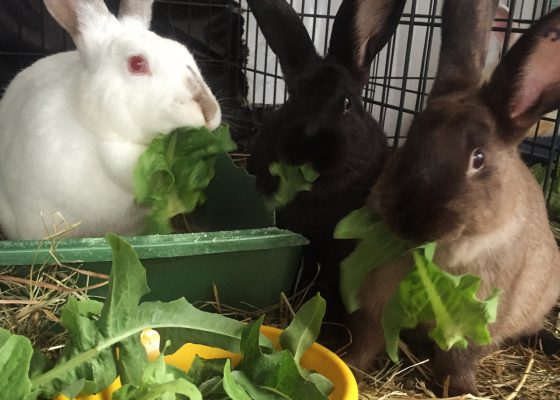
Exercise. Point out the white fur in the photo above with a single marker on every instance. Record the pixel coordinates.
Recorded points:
(73, 125)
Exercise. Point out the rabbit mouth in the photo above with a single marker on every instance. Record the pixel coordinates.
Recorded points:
(419, 220)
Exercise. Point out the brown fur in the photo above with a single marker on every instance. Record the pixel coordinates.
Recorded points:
(490, 222)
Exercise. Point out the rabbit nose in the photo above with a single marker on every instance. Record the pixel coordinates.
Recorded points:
(210, 110)
(207, 102)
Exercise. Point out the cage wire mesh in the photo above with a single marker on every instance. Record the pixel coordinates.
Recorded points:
(244, 73)
(402, 74)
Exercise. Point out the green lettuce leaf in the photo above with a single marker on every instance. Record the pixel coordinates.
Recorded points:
(429, 294)
(293, 179)
(376, 245)
(171, 176)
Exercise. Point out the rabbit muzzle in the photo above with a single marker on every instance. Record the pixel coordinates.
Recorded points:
(206, 101)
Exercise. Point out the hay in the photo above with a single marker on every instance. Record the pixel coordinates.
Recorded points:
(30, 305)
(517, 372)
(31, 301)
(32, 297)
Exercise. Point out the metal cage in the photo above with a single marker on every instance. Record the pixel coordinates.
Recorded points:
(245, 75)
(402, 74)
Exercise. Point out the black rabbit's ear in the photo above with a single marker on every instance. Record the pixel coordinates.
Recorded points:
(361, 29)
(286, 35)
(526, 84)
(465, 36)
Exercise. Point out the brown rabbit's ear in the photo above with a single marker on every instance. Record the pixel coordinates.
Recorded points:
(361, 29)
(465, 36)
(139, 10)
(501, 22)
(526, 83)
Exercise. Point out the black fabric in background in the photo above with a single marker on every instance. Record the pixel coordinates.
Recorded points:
(213, 32)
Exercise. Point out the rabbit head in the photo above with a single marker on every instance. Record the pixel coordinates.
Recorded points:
(133, 82)
(458, 170)
(323, 121)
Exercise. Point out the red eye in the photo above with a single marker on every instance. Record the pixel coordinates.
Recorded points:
(138, 65)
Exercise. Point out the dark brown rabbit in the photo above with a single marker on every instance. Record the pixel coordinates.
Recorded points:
(459, 181)
(324, 123)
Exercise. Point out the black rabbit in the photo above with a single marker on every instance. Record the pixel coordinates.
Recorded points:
(324, 122)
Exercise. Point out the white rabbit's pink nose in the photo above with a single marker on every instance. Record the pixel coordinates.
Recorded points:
(207, 102)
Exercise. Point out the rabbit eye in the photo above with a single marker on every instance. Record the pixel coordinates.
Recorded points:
(477, 160)
(347, 104)
(138, 65)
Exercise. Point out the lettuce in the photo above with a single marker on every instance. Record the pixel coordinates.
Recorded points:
(171, 176)
(293, 179)
(427, 294)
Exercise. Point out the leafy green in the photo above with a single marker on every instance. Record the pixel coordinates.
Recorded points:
(203, 370)
(539, 171)
(232, 388)
(426, 294)
(15, 359)
(103, 340)
(376, 246)
(277, 373)
(159, 381)
(304, 328)
(171, 176)
(293, 179)
(96, 329)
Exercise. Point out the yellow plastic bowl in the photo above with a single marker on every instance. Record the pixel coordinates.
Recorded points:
(317, 358)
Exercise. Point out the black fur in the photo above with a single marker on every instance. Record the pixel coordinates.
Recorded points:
(347, 147)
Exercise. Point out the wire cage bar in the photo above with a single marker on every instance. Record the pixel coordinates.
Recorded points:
(244, 73)
(402, 74)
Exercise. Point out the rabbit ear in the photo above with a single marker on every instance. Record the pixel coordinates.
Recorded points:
(77, 16)
(361, 29)
(286, 35)
(526, 83)
(501, 22)
(139, 10)
(465, 36)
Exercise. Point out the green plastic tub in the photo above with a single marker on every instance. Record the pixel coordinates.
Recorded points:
(241, 252)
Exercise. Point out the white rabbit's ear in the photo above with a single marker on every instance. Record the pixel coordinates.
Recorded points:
(139, 10)
(77, 16)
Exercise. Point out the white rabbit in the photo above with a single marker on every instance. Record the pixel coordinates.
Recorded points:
(73, 125)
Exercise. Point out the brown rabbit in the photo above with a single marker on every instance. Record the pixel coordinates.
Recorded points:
(459, 181)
